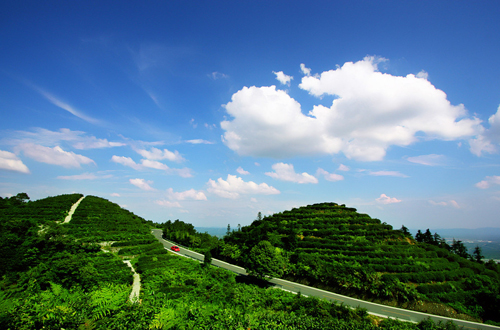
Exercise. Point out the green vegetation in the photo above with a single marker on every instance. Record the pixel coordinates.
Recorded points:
(58, 276)
(333, 247)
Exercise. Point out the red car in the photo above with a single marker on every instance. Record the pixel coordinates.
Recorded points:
(175, 248)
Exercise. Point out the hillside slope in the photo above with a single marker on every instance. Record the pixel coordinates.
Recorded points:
(334, 247)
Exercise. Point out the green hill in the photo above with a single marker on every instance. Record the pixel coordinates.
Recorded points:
(334, 247)
(71, 276)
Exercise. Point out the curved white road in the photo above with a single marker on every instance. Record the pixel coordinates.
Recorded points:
(136, 287)
(72, 210)
(372, 308)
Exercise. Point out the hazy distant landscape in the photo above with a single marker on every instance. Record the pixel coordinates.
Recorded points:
(488, 239)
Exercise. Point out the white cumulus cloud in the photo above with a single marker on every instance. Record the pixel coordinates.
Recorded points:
(488, 140)
(384, 199)
(142, 184)
(10, 162)
(286, 172)
(54, 156)
(188, 194)
(283, 78)
(234, 186)
(371, 112)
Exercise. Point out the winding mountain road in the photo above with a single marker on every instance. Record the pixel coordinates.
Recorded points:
(372, 308)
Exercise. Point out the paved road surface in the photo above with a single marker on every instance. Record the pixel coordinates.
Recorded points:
(376, 309)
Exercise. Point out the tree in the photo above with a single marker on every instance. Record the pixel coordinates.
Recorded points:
(264, 260)
(405, 231)
(477, 254)
(207, 260)
(228, 232)
(459, 249)
(427, 237)
(419, 236)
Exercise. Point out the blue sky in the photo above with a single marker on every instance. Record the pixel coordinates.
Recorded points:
(211, 111)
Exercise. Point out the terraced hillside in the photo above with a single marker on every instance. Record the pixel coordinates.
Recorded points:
(336, 248)
(71, 276)
(98, 220)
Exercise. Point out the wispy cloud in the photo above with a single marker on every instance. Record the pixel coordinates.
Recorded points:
(168, 203)
(84, 176)
(65, 106)
(147, 163)
(218, 75)
(388, 173)
(451, 202)
(241, 171)
(488, 181)
(199, 141)
(429, 160)
(157, 154)
(329, 176)
(126, 161)
(77, 139)
(344, 168)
